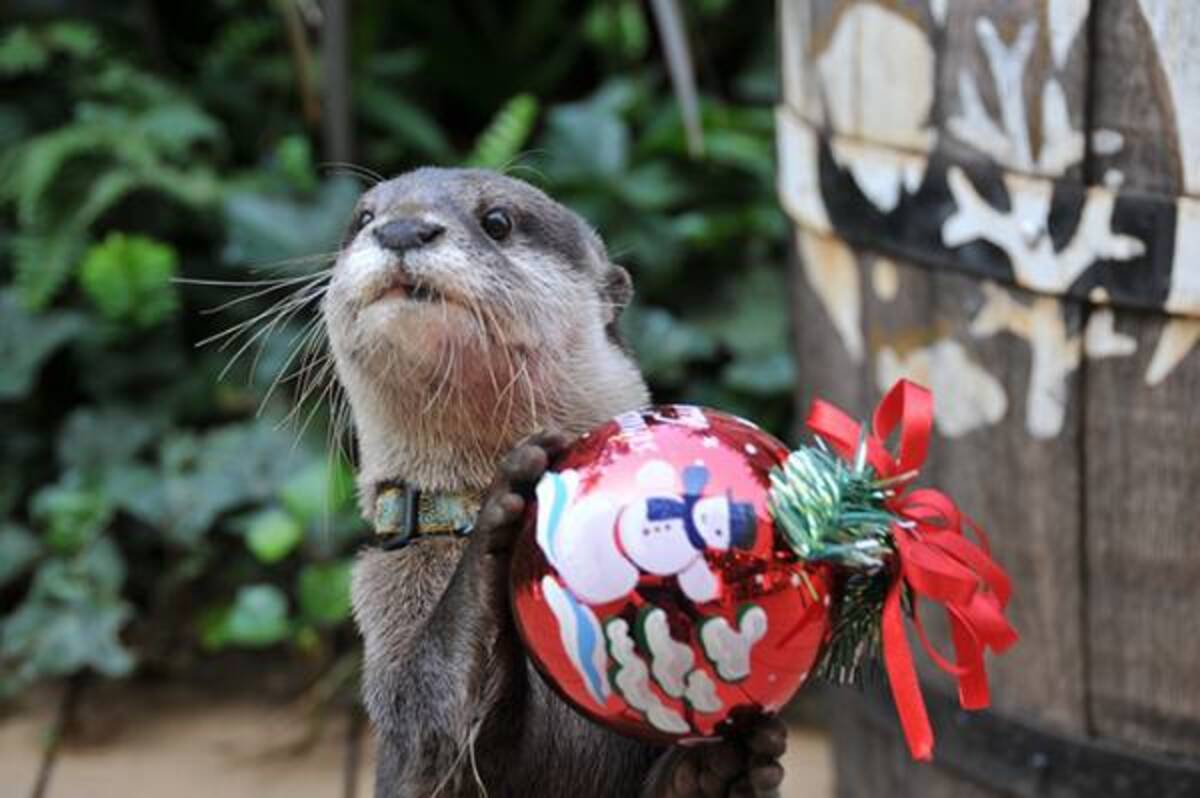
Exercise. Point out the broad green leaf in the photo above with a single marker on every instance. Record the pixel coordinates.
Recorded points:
(54, 640)
(264, 228)
(71, 618)
(619, 27)
(14, 126)
(129, 278)
(258, 617)
(79, 39)
(272, 535)
(135, 488)
(663, 343)
(755, 322)
(308, 494)
(95, 438)
(769, 375)
(207, 475)
(21, 51)
(27, 340)
(742, 150)
(653, 187)
(585, 141)
(720, 227)
(18, 549)
(70, 516)
(323, 487)
(323, 592)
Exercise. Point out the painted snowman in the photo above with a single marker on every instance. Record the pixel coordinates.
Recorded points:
(600, 548)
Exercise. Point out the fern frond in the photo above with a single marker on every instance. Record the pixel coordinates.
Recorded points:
(506, 134)
(44, 258)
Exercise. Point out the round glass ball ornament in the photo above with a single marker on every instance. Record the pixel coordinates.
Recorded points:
(651, 586)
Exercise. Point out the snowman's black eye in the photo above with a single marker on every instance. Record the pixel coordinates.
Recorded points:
(497, 224)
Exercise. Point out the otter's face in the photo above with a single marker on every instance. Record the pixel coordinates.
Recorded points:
(467, 266)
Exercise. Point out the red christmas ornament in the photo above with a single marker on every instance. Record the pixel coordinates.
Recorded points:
(677, 571)
(651, 586)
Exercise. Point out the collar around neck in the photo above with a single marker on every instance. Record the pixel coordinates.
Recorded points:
(404, 514)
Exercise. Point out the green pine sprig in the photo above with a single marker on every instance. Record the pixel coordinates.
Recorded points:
(831, 511)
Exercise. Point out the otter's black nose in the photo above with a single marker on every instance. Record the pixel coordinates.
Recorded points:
(401, 235)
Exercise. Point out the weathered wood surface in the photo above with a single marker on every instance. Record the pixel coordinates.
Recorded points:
(869, 763)
(959, 139)
(1132, 99)
(988, 198)
(1142, 449)
(1147, 81)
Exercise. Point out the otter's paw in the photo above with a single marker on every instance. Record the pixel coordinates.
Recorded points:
(743, 767)
(499, 519)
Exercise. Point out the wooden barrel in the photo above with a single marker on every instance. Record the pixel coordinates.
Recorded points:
(1001, 200)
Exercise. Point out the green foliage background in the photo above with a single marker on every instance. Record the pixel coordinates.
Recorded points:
(153, 511)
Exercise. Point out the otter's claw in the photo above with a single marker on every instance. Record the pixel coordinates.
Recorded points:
(746, 765)
(514, 484)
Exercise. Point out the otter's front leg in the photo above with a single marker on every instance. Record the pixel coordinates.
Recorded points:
(465, 659)
(746, 766)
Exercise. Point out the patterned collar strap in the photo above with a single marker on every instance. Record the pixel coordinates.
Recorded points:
(403, 513)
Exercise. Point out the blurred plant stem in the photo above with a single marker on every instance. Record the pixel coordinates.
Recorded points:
(303, 67)
(338, 123)
(64, 717)
(672, 30)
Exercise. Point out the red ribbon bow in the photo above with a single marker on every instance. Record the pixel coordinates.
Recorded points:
(935, 559)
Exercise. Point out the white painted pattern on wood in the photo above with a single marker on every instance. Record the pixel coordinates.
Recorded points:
(878, 77)
(1023, 230)
(968, 396)
(1056, 354)
(832, 273)
(799, 182)
(1064, 19)
(880, 173)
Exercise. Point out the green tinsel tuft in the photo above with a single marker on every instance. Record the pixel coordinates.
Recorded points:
(832, 511)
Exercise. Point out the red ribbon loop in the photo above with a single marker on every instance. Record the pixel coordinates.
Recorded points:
(935, 558)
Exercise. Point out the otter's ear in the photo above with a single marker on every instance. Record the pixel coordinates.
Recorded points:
(617, 291)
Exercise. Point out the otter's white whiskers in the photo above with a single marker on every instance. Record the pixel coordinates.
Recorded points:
(299, 343)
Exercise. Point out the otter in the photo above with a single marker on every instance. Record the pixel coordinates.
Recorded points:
(472, 321)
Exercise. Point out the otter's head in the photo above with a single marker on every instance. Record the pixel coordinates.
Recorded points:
(468, 309)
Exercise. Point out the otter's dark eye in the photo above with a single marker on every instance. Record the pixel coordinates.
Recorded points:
(363, 219)
(496, 224)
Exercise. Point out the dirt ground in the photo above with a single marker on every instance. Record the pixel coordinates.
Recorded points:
(163, 741)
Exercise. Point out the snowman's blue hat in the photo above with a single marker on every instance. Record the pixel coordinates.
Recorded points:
(743, 524)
